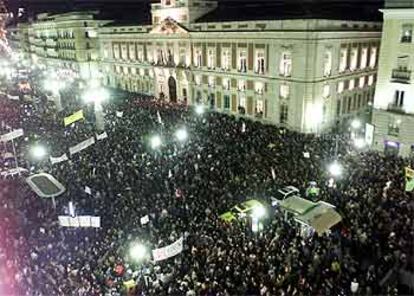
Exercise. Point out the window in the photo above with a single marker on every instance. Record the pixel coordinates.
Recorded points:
(226, 83)
(394, 127)
(402, 63)
(259, 87)
(284, 91)
(327, 63)
(343, 59)
(373, 57)
(116, 52)
(242, 101)
(364, 58)
(338, 108)
(160, 56)
(371, 80)
(354, 58)
(242, 61)
(182, 56)
(242, 85)
(286, 64)
(226, 102)
(399, 98)
(407, 32)
(211, 81)
(210, 58)
(134, 71)
(132, 52)
(199, 58)
(259, 108)
(197, 79)
(260, 62)
(140, 54)
(124, 52)
(283, 113)
(340, 86)
(326, 90)
(351, 84)
(226, 59)
(361, 83)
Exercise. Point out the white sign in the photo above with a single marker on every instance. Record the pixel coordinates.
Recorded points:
(88, 190)
(119, 114)
(81, 146)
(144, 220)
(80, 221)
(12, 135)
(306, 154)
(59, 159)
(369, 134)
(13, 172)
(168, 251)
(14, 98)
(102, 136)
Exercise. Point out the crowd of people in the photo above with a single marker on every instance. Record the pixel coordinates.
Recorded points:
(183, 187)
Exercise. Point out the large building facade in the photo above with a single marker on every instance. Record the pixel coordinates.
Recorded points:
(305, 74)
(309, 74)
(393, 115)
(66, 42)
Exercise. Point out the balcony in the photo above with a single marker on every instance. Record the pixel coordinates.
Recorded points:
(395, 108)
(401, 76)
(406, 39)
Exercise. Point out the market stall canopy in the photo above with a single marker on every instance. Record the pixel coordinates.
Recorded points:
(321, 218)
(45, 185)
(297, 205)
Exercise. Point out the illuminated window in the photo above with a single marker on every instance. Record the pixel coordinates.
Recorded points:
(226, 59)
(242, 85)
(361, 83)
(197, 79)
(226, 83)
(286, 64)
(259, 87)
(327, 63)
(140, 54)
(242, 101)
(284, 91)
(198, 58)
(211, 81)
(132, 52)
(354, 59)
(340, 86)
(364, 57)
(371, 80)
(406, 34)
(343, 59)
(326, 90)
(210, 58)
(183, 56)
(373, 57)
(259, 107)
(242, 61)
(351, 85)
(260, 62)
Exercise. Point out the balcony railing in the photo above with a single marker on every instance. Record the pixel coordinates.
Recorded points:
(406, 39)
(395, 108)
(403, 76)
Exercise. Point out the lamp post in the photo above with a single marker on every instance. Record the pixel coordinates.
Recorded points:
(97, 95)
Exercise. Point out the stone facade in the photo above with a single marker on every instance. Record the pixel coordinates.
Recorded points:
(393, 116)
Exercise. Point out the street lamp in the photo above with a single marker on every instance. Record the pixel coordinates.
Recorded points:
(38, 152)
(97, 96)
(155, 142)
(335, 169)
(138, 251)
(181, 134)
(356, 124)
(257, 213)
(199, 109)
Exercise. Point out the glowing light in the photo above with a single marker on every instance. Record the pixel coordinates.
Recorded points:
(97, 96)
(356, 124)
(259, 212)
(199, 109)
(138, 252)
(38, 152)
(181, 134)
(335, 169)
(156, 142)
(359, 143)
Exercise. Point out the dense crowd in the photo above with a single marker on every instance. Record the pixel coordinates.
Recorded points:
(183, 188)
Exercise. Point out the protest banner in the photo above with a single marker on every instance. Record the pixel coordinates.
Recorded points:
(81, 146)
(144, 220)
(80, 221)
(168, 251)
(73, 118)
(102, 136)
(12, 135)
(409, 179)
(59, 159)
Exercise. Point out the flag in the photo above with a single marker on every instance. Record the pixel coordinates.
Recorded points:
(409, 179)
(119, 114)
(144, 220)
(273, 173)
(102, 136)
(59, 159)
(73, 118)
(81, 146)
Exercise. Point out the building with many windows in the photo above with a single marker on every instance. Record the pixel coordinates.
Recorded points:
(66, 41)
(308, 73)
(393, 115)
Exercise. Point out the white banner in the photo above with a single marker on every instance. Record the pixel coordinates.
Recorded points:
(62, 158)
(81, 146)
(80, 221)
(13, 172)
(369, 134)
(14, 98)
(12, 135)
(102, 136)
(168, 251)
(88, 190)
(119, 114)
